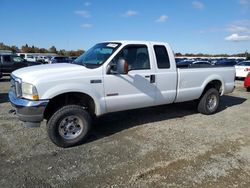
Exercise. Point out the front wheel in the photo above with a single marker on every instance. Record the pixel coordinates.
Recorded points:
(69, 126)
(209, 102)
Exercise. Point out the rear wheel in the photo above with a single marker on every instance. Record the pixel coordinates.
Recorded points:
(248, 89)
(69, 126)
(209, 102)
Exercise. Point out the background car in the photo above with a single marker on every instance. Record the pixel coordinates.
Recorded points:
(12, 62)
(242, 69)
(226, 62)
(30, 58)
(193, 64)
(60, 59)
(184, 63)
(247, 82)
(71, 59)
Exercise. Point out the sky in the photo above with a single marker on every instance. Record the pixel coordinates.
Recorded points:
(189, 26)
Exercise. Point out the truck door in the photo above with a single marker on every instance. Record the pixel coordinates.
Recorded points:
(7, 64)
(166, 75)
(137, 88)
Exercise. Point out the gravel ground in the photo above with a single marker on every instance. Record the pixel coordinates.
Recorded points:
(166, 146)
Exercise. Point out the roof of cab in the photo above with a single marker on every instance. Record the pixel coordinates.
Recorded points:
(135, 42)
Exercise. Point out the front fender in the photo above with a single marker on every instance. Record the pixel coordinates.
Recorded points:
(96, 93)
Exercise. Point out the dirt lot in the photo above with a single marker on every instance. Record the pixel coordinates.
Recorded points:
(167, 146)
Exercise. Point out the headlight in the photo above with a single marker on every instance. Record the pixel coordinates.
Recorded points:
(29, 91)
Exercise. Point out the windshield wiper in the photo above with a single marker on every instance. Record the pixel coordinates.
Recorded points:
(84, 64)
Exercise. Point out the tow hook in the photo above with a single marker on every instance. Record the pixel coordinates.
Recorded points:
(12, 111)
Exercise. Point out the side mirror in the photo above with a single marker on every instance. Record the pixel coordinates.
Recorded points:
(122, 66)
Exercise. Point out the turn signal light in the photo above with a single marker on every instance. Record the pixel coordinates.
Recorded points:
(35, 97)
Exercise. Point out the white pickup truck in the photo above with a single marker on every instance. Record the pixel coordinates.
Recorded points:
(111, 76)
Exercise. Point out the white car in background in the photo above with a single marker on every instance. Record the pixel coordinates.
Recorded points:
(31, 58)
(242, 69)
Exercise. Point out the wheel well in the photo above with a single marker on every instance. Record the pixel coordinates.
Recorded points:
(76, 98)
(213, 84)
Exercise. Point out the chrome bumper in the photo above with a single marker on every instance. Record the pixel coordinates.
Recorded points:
(30, 112)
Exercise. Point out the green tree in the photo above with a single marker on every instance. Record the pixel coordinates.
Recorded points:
(53, 49)
(42, 50)
(247, 55)
(25, 48)
(14, 49)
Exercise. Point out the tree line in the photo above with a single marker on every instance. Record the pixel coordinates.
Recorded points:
(33, 49)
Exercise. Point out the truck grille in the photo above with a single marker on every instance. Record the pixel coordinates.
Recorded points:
(15, 86)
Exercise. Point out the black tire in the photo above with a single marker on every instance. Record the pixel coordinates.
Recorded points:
(205, 106)
(248, 89)
(60, 124)
(1, 75)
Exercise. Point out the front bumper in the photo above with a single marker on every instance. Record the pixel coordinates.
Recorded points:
(30, 112)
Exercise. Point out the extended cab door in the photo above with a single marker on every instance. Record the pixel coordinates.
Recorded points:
(166, 74)
(137, 88)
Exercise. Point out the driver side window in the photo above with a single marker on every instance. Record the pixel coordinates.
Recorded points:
(136, 56)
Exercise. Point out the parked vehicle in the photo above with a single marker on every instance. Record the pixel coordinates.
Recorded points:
(192, 63)
(247, 82)
(179, 59)
(60, 59)
(10, 62)
(71, 59)
(201, 63)
(184, 63)
(242, 69)
(226, 62)
(111, 77)
(47, 59)
(31, 58)
(44, 59)
(35, 57)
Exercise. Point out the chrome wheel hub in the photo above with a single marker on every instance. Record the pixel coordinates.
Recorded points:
(70, 127)
(211, 102)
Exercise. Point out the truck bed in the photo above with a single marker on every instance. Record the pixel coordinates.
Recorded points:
(192, 81)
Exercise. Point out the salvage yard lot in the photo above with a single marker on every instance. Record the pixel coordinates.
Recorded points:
(166, 146)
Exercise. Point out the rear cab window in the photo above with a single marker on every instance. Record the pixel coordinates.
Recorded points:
(162, 57)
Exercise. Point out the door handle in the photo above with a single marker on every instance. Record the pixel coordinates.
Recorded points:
(152, 78)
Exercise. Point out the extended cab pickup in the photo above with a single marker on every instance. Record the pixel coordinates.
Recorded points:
(110, 77)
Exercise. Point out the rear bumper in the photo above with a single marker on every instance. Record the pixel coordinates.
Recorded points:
(30, 112)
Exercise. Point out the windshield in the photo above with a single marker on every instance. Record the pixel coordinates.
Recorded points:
(97, 55)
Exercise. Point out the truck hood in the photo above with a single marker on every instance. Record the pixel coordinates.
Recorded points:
(36, 73)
